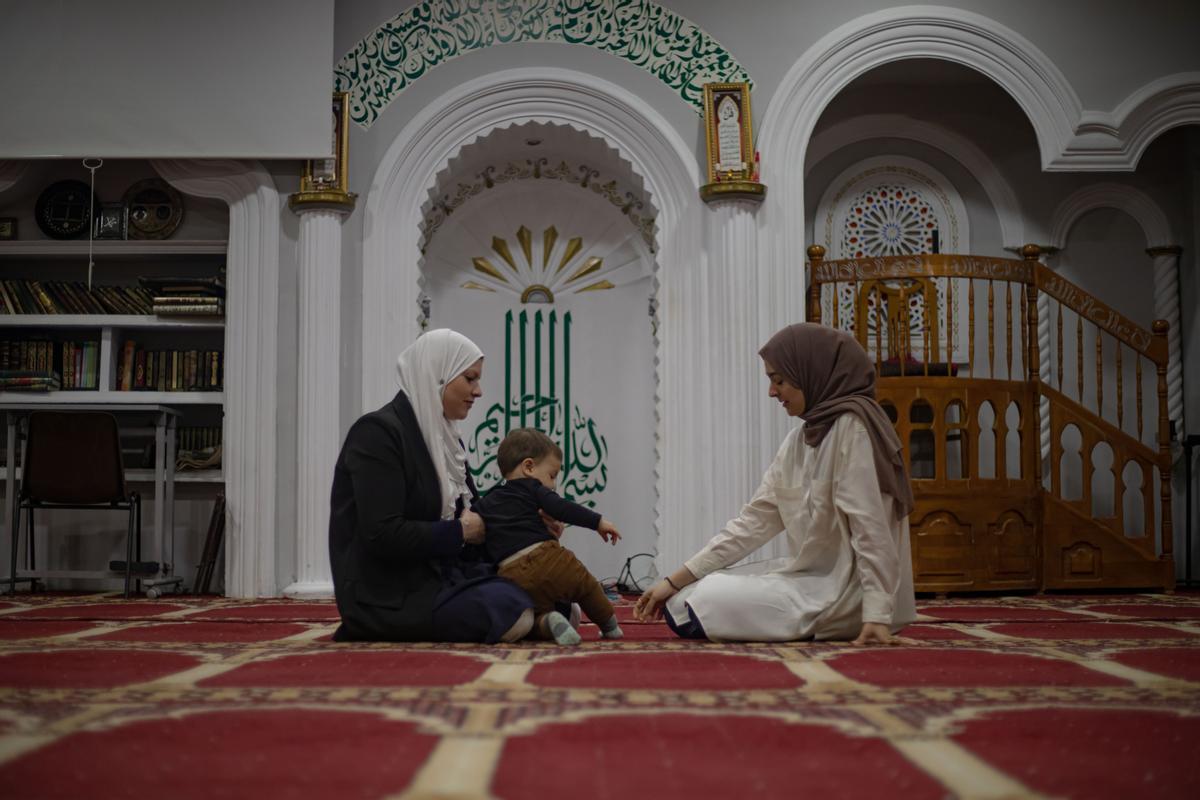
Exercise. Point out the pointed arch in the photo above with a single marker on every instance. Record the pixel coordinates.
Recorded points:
(640, 136)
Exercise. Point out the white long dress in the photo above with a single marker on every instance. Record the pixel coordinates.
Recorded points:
(849, 559)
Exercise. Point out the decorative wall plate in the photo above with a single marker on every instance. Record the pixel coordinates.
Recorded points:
(155, 209)
(64, 209)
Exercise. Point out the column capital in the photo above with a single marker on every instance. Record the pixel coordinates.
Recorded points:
(1165, 250)
(733, 190)
(341, 202)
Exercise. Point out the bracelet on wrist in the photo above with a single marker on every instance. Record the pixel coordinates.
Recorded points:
(667, 578)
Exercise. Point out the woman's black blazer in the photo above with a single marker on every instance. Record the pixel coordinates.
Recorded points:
(385, 535)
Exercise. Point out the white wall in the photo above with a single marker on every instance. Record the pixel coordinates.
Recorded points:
(171, 79)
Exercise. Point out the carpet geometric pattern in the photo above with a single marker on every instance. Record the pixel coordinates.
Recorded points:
(1063, 696)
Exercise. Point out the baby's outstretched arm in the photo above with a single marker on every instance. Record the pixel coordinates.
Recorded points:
(608, 532)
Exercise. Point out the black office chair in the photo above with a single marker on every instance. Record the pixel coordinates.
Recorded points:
(73, 461)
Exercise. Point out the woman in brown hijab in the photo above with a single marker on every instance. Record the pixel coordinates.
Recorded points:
(838, 489)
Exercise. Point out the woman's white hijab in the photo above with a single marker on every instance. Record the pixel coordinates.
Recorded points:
(426, 366)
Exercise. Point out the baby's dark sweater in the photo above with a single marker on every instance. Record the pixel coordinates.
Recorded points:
(510, 512)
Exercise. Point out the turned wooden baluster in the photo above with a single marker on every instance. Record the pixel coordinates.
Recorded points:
(1008, 328)
(1024, 324)
(1099, 372)
(854, 287)
(991, 330)
(1079, 358)
(836, 303)
(1059, 360)
(880, 318)
(1031, 417)
(1120, 390)
(816, 254)
(1138, 378)
(971, 326)
(949, 321)
(1166, 541)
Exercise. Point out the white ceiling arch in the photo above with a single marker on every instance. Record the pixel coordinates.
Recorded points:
(960, 148)
(538, 152)
(1132, 201)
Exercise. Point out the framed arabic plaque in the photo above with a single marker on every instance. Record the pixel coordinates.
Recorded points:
(727, 133)
(330, 174)
(155, 209)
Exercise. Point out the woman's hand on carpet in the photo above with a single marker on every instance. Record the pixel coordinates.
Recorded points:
(650, 605)
(555, 527)
(875, 633)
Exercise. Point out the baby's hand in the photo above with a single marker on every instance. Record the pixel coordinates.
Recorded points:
(608, 532)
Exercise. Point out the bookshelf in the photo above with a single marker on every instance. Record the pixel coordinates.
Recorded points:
(198, 249)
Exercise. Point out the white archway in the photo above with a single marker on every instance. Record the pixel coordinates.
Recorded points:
(1116, 140)
(1132, 201)
(1161, 246)
(895, 34)
(960, 148)
(393, 212)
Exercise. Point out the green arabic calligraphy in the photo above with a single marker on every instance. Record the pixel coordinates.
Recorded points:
(390, 58)
(584, 473)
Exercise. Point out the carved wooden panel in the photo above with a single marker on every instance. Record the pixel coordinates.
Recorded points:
(942, 551)
(1012, 549)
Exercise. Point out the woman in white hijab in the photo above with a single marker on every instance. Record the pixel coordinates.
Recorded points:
(402, 538)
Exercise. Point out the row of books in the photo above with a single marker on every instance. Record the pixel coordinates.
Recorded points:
(21, 380)
(169, 370)
(72, 297)
(154, 296)
(187, 296)
(76, 364)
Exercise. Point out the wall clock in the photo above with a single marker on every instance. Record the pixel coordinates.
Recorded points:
(64, 209)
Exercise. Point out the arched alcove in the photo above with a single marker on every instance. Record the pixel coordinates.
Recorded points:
(398, 201)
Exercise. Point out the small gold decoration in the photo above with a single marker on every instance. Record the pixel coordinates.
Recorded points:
(573, 248)
(500, 247)
(485, 266)
(524, 237)
(549, 237)
(596, 287)
(589, 266)
(536, 281)
(537, 293)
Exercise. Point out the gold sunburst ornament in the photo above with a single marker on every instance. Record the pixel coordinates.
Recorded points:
(535, 275)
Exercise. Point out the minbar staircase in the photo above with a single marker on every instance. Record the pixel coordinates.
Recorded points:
(1021, 401)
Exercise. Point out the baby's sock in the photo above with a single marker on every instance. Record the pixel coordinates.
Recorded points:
(611, 630)
(561, 630)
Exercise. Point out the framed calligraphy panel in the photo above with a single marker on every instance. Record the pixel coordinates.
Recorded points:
(330, 174)
(727, 134)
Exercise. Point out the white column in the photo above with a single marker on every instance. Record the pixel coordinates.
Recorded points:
(317, 394)
(251, 336)
(1166, 306)
(722, 380)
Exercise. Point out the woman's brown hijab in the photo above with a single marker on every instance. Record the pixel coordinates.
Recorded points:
(837, 377)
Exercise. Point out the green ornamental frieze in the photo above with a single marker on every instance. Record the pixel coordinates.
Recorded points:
(399, 52)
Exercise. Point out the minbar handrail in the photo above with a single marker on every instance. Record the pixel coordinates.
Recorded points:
(951, 265)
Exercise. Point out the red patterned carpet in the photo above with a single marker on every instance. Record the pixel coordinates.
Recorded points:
(1089, 697)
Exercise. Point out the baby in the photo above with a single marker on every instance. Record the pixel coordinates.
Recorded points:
(517, 541)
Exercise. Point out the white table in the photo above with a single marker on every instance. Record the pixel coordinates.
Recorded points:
(164, 420)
